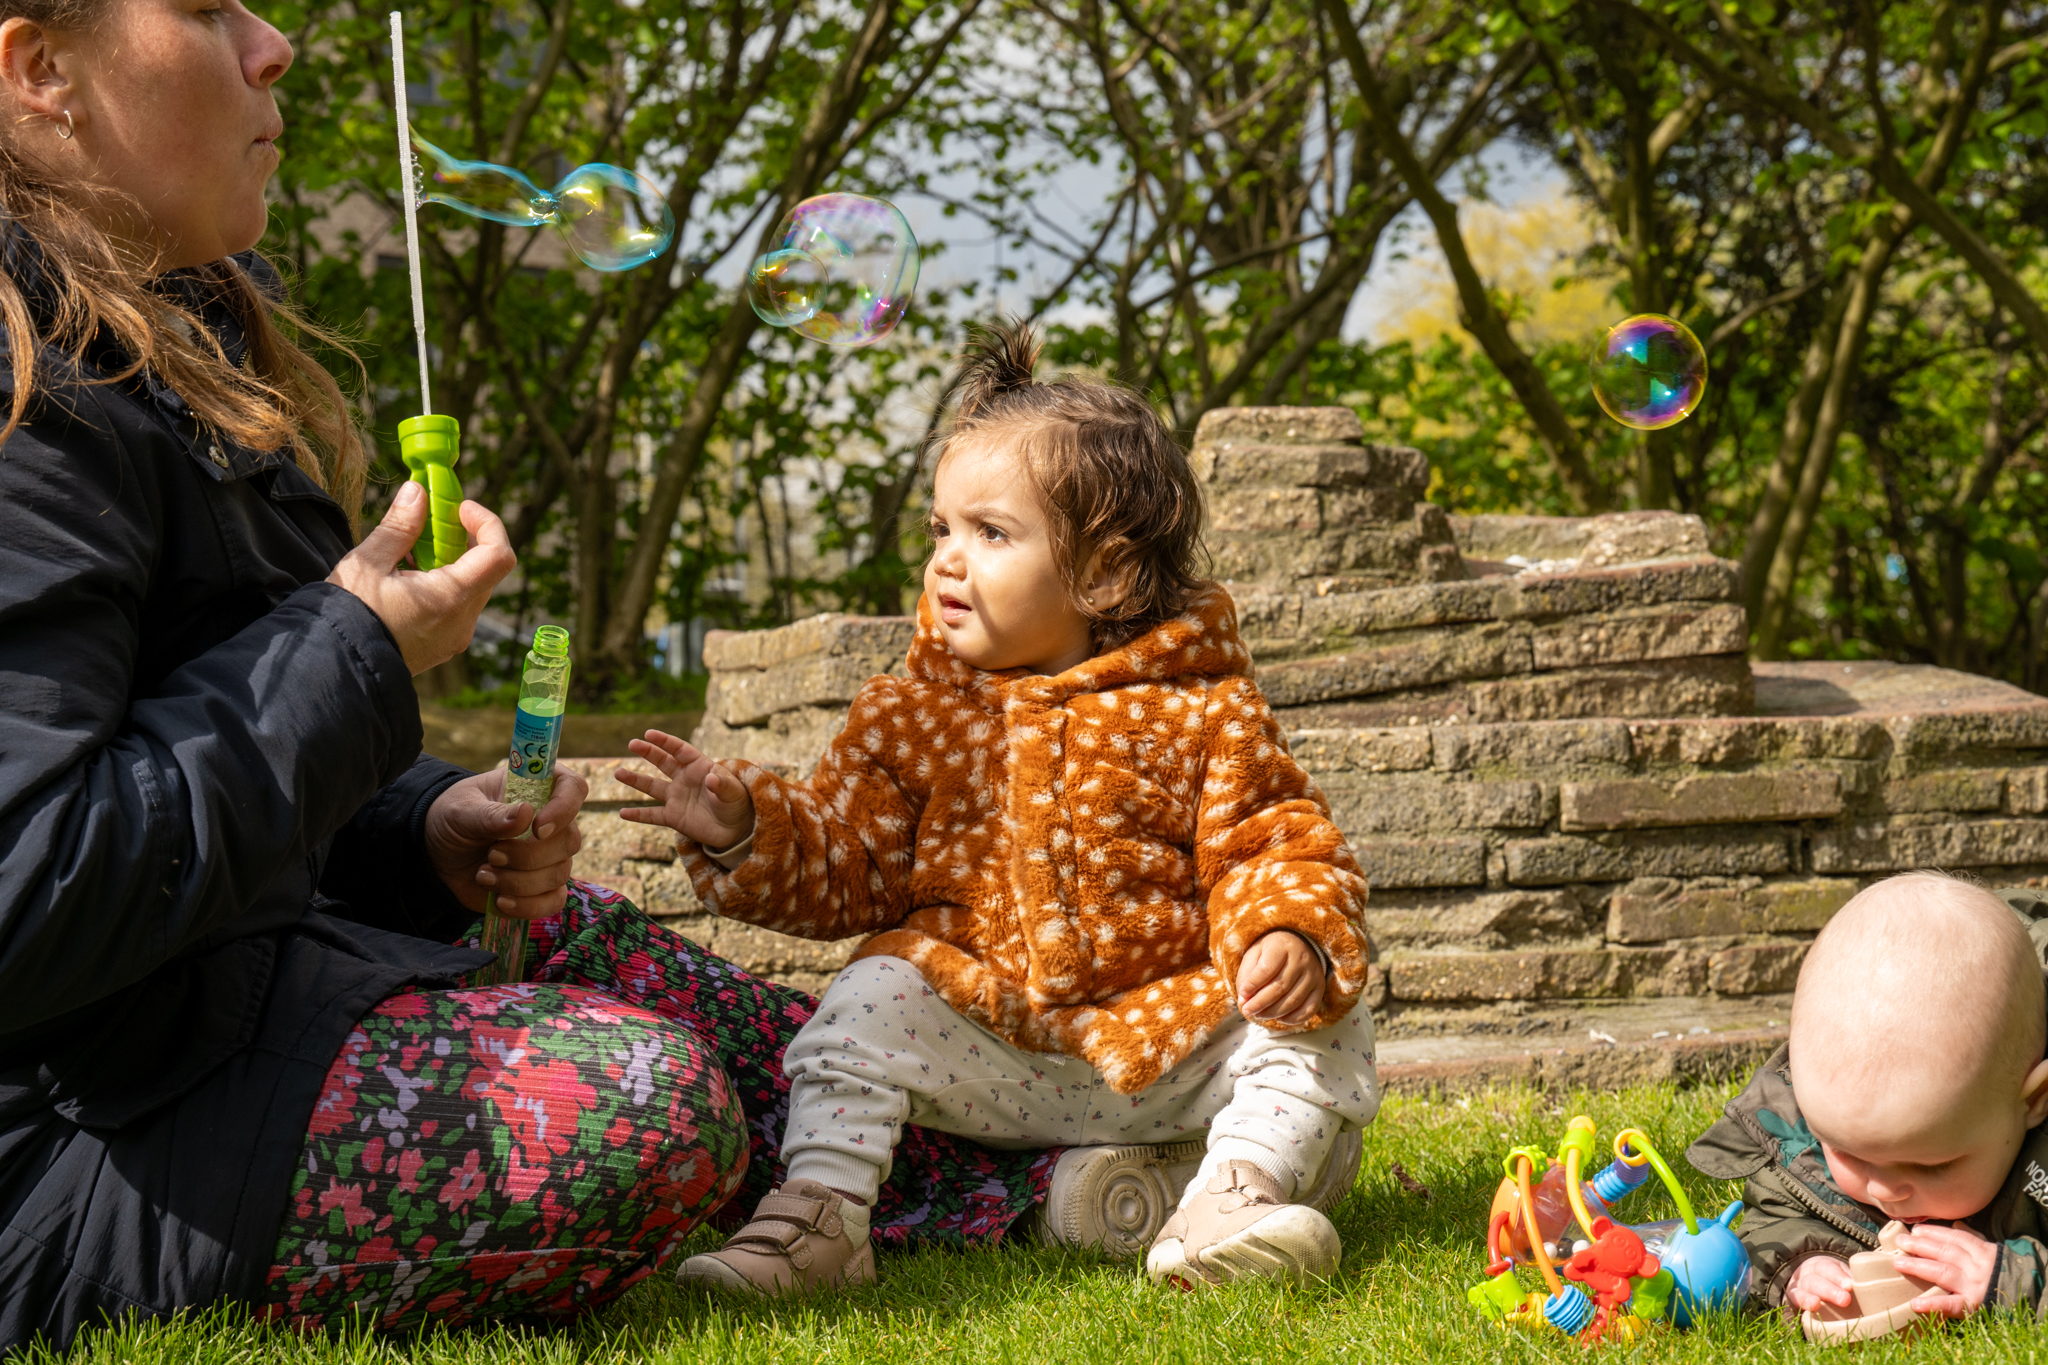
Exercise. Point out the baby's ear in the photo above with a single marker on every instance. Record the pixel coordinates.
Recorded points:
(2034, 1093)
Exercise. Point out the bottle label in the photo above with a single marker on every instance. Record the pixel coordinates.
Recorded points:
(534, 741)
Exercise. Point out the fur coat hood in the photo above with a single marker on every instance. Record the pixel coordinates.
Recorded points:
(1079, 861)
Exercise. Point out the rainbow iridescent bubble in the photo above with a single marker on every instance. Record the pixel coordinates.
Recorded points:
(1649, 372)
(841, 270)
(611, 218)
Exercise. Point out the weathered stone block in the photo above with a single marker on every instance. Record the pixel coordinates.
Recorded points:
(1409, 660)
(1958, 791)
(1556, 743)
(1756, 968)
(1421, 862)
(748, 698)
(1236, 464)
(1718, 684)
(1561, 975)
(1713, 740)
(794, 739)
(828, 633)
(1379, 805)
(1349, 507)
(1571, 594)
(1280, 426)
(1663, 853)
(1495, 537)
(1402, 750)
(2026, 791)
(1653, 910)
(1700, 799)
(1368, 613)
(1238, 510)
(1667, 632)
(1633, 537)
(1922, 740)
(1902, 847)
(1494, 919)
(1382, 549)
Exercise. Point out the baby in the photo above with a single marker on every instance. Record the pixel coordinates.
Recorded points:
(1106, 907)
(1913, 1090)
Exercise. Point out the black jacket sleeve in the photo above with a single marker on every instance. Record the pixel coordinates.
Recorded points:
(378, 868)
(136, 827)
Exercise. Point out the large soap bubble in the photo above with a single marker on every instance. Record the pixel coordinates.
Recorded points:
(841, 270)
(1649, 372)
(611, 218)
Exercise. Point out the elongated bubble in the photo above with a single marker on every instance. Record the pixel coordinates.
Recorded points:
(841, 270)
(1649, 372)
(612, 218)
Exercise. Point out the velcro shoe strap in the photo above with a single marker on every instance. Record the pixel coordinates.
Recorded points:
(807, 1214)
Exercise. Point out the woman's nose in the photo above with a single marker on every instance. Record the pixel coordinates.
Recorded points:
(266, 54)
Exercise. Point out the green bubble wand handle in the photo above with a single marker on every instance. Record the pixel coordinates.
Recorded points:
(428, 444)
(529, 777)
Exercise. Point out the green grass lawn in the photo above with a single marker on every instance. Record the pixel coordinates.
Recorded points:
(1408, 1261)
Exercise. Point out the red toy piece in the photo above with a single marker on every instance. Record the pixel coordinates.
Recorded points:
(1609, 1268)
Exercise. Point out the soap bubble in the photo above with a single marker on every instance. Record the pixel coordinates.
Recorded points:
(611, 218)
(841, 270)
(1649, 372)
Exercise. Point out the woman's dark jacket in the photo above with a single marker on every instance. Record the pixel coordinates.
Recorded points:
(211, 859)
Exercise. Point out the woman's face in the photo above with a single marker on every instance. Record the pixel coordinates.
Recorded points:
(172, 104)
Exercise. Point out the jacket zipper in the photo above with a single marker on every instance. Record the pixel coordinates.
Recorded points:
(1796, 1187)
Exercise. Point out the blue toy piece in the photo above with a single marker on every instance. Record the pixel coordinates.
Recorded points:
(1568, 1312)
(1710, 1266)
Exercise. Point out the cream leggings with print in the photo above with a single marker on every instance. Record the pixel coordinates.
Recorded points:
(884, 1050)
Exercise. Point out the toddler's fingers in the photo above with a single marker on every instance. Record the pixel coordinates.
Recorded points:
(681, 750)
(645, 783)
(644, 815)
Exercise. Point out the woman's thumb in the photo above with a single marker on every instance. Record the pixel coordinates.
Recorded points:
(388, 545)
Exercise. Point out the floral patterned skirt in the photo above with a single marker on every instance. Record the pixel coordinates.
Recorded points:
(535, 1149)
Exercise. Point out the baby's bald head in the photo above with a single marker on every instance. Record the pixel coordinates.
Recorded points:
(1920, 1009)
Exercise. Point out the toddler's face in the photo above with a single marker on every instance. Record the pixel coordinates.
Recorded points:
(992, 583)
(1950, 1169)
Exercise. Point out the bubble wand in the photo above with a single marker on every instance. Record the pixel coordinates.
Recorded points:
(428, 444)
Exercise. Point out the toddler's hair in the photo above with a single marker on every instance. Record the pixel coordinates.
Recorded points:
(1107, 468)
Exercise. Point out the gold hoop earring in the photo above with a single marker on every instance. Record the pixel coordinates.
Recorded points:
(69, 127)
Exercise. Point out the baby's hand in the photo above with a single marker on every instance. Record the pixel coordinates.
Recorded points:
(1280, 981)
(1955, 1259)
(699, 799)
(1820, 1280)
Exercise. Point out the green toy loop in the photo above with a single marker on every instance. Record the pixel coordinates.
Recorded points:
(1578, 1137)
(1634, 1137)
(1538, 1159)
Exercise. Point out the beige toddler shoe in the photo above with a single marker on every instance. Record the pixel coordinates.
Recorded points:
(1239, 1228)
(803, 1236)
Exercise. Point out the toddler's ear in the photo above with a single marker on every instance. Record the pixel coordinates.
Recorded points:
(1104, 587)
(2034, 1093)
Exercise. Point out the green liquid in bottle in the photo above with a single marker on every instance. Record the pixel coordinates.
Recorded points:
(529, 777)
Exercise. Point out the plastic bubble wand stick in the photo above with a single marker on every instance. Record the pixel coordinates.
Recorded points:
(429, 445)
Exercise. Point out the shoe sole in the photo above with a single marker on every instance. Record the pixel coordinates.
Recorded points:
(1293, 1244)
(706, 1271)
(1115, 1199)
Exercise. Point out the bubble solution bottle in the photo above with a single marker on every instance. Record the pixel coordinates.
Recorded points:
(529, 777)
(1554, 1211)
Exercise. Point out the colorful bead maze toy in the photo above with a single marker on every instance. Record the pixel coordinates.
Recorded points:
(1621, 1277)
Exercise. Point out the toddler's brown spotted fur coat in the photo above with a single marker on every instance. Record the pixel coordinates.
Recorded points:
(1077, 862)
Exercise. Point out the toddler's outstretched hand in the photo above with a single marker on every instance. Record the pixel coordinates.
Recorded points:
(1280, 981)
(700, 800)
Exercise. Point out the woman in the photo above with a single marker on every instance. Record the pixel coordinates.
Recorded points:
(234, 1064)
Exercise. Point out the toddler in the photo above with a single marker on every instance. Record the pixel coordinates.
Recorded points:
(1912, 1087)
(1106, 907)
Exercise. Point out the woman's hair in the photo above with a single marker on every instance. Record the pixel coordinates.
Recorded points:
(92, 284)
(1107, 468)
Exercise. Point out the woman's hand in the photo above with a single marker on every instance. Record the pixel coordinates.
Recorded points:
(474, 845)
(430, 615)
(700, 800)
(1280, 981)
